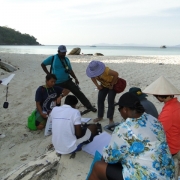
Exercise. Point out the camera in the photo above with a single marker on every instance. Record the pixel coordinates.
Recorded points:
(5, 105)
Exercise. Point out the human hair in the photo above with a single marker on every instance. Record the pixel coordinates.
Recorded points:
(71, 100)
(138, 107)
(164, 96)
(50, 76)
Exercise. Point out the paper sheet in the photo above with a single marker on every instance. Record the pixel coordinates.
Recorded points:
(98, 143)
(5, 81)
(85, 120)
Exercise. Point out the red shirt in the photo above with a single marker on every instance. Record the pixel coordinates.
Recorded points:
(170, 119)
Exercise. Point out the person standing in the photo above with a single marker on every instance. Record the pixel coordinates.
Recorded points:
(62, 68)
(97, 71)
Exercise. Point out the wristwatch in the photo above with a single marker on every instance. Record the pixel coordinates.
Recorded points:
(62, 95)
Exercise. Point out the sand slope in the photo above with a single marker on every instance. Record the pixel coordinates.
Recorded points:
(21, 145)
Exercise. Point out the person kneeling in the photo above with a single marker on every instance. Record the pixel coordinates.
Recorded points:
(68, 135)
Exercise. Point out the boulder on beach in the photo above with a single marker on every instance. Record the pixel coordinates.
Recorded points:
(7, 67)
(75, 51)
(98, 54)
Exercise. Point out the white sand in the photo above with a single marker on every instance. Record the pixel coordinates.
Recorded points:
(138, 71)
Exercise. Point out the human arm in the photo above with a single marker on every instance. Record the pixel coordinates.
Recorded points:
(38, 106)
(78, 131)
(74, 76)
(115, 77)
(96, 83)
(46, 62)
(117, 148)
(165, 117)
(45, 69)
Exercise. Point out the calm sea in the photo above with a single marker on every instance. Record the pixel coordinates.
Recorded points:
(106, 50)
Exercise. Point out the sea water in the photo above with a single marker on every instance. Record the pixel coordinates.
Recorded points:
(105, 50)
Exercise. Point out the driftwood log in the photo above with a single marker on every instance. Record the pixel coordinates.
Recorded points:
(46, 167)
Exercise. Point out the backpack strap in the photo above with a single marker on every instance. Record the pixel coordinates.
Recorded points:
(51, 64)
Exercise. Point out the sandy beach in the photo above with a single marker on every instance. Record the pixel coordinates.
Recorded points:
(20, 145)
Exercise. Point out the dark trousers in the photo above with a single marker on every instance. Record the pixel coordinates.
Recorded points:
(114, 171)
(101, 98)
(75, 90)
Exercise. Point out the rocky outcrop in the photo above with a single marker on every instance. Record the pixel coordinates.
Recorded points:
(7, 67)
(98, 54)
(163, 46)
(75, 51)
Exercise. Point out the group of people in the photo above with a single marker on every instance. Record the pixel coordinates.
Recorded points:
(141, 147)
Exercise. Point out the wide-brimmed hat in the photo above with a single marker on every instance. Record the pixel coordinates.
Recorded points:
(161, 86)
(95, 68)
(128, 99)
(137, 92)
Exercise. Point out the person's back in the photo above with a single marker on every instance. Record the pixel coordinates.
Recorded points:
(149, 107)
(63, 133)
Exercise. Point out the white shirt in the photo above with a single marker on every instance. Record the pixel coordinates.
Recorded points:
(63, 132)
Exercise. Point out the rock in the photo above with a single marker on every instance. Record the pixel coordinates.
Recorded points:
(75, 51)
(7, 67)
(98, 54)
(11, 145)
(163, 46)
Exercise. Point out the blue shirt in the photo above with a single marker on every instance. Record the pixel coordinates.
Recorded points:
(58, 68)
(46, 97)
(141, 147)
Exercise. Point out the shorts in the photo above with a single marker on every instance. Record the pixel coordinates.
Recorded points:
(40, 119)
(114, 171)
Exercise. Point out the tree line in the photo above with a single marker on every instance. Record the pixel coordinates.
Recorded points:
(10, 36)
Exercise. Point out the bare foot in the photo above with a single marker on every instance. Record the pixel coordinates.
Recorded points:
(111, 122)
(97, 119)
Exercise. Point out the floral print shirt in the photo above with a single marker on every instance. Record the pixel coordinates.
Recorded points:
(140, 145)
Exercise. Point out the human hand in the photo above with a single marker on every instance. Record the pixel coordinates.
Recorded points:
(99, 87)
(76, 81)
(58, 100)
(111, 87)
(45, 116)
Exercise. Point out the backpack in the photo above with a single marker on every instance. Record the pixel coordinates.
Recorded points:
(31, 122)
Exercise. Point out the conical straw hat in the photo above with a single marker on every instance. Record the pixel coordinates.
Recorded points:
(161, 86)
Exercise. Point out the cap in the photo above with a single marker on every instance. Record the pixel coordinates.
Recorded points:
(137, 92)
(62, 48)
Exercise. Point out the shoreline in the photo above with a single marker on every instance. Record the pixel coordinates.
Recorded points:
(138, 71)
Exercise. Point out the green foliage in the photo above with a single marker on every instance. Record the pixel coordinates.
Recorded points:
(10, 36)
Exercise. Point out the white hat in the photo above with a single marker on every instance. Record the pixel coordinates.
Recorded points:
(161, 86)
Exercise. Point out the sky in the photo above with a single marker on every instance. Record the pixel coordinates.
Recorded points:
(88, 22)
